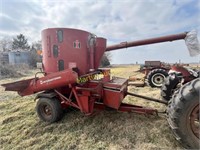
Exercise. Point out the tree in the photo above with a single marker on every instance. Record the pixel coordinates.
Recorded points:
(37, 45)
(20, 43)
(105, 60)
(5, 44)
(33, 53)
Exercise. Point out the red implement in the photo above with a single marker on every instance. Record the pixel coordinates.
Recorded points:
(71, 58)
(49, 82)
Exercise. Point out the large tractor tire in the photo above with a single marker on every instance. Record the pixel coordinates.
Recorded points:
(156, 77)
(169, 86)
(49, 109)
(183, 114)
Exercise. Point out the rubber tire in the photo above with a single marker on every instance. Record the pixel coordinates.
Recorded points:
(55, 107)
(169, 86)
(179, 109)
(154, 72)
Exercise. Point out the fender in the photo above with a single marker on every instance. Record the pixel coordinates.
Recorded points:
(45, 95)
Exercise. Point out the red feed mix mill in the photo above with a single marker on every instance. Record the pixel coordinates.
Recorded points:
(70, 63)
(72, 78)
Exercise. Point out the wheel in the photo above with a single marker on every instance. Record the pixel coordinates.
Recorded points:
(183, 114)
(49, 110)
(156, 77)
(169, 86)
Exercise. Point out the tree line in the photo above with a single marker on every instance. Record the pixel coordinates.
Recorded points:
(18, 43)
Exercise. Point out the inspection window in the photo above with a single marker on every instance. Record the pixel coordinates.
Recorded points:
(60, 36)
(55, 51)
(61, 65)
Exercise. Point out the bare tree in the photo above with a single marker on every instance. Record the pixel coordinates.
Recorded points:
(37, 45)
(34, 55)
(5, 44)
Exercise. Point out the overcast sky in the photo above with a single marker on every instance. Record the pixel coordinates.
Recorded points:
(116, 20)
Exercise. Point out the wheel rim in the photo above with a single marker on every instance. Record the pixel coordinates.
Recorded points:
(158, 79)
(46, 111)
(194, 121)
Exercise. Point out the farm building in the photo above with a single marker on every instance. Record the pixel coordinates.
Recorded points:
(16, 57)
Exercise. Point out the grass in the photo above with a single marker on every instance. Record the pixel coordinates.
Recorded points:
(20, 128)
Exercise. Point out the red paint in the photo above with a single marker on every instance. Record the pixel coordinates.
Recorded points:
(186, 74)
(168, 38)
(70, 54)
(51, 81)
(114, 92)
(137, 109)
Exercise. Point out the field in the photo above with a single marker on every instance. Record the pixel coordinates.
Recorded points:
(20, 128)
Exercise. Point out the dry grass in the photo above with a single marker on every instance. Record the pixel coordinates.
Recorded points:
(21, 129)
(14, 71)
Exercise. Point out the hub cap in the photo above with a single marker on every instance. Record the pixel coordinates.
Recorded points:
(158, 79)
(46, 111)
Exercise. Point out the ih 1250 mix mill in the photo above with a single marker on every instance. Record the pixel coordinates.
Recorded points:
(71, 59)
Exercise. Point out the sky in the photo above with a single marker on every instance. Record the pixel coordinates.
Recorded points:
(115, 20)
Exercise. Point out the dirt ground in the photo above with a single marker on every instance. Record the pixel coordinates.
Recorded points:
(20, 128)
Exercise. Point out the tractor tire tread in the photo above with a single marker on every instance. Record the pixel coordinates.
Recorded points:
(151, 73)
(170, 84)
(177, 109)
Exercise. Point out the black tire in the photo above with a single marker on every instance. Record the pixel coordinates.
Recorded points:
(156, 77)
(183, 114)
(169, 86)
(49, 110)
